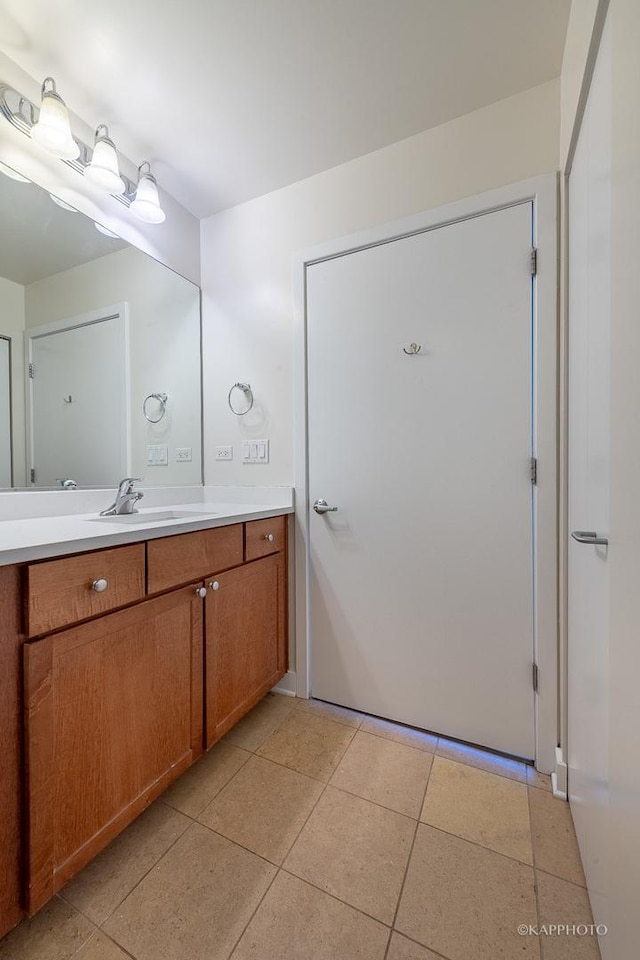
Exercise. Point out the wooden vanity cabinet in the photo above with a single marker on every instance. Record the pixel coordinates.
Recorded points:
(114, 677)
(113, 712)
(245, 640)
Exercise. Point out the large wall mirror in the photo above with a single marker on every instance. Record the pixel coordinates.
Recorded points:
(100, 370)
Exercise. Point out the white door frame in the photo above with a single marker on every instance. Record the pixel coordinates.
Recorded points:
(116, 311)
(543, 193)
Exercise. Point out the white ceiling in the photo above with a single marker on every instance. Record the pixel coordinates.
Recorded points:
(234, 98)
(39, 239)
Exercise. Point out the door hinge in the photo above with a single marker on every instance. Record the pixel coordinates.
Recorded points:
(33, 475)
(534, 676)
(32, 371)
(533, 261)
(533, 467)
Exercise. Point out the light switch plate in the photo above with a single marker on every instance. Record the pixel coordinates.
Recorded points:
(224, 452)
(157, 455)
(255, 451)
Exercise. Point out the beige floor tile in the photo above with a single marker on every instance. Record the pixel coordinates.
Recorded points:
(540, 780)
(55, 933)
(384, 771)
(351, 718)
(263, 808)
(555, 848)
(100, 947)
(466, 902)
(195, 902)
(298, 922)
(250, 732)
(196, 788)
(308, 744)
(98, 889)
(402, 949)
(482, 759)
(356, 851)
(561, 902)
(478, 806)
(419, 739)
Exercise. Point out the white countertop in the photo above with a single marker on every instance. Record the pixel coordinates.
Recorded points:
(41, 537)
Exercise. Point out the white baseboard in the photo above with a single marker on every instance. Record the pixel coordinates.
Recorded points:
(559, 777)
(287, 685)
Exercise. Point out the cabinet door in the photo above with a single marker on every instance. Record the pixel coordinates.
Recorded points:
(113, 715)
(11, 753)
(246, 640)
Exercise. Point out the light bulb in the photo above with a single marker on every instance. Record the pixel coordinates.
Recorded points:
(103, 170)
(52, 129)
(146, 205)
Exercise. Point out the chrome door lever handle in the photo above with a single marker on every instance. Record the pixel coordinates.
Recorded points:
(321, 506)
(589, 536)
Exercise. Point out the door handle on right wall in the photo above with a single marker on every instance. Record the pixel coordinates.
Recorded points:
(589, 536)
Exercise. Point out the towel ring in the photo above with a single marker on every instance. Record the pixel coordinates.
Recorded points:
(162, 400)
(248, 393)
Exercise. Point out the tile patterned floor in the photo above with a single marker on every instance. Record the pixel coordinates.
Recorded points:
(312, 832)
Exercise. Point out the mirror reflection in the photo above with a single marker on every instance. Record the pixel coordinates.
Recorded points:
(99, 353)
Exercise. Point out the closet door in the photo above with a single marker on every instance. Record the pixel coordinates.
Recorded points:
(420, 433)
(589, 468)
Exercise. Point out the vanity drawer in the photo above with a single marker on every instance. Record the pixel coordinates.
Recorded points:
(172, 561)
(60, 592)
(264, 537)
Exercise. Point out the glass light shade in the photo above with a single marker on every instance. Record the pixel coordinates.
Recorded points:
(52, 129)
(146, 205)
(10, 172)
(103, 170)
(106, 231)
(63, 204)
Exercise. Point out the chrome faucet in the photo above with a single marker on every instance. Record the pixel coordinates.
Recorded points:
(126, 498)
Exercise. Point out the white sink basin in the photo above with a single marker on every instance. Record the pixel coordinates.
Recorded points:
(150, 517)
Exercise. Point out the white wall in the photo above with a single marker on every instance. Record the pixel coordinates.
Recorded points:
(176, 242)
(247, 255)
(164, 336)
(12, 322)
(621, 820)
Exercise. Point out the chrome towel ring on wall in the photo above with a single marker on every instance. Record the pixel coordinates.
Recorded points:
(248, 395)
(162, 400)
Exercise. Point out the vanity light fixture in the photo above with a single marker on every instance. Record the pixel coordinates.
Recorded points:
(49, 126)
(103, 169)
(52, 129)
(146, 205)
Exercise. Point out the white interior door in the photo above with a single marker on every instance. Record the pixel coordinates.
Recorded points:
(79, 401)
(589, 497)
(421, 582)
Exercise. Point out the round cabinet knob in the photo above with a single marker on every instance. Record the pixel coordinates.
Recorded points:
(214, 585)
(99, 585)
(201, 592)
(270, 537)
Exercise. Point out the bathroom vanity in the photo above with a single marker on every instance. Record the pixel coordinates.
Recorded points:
(119, 666)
